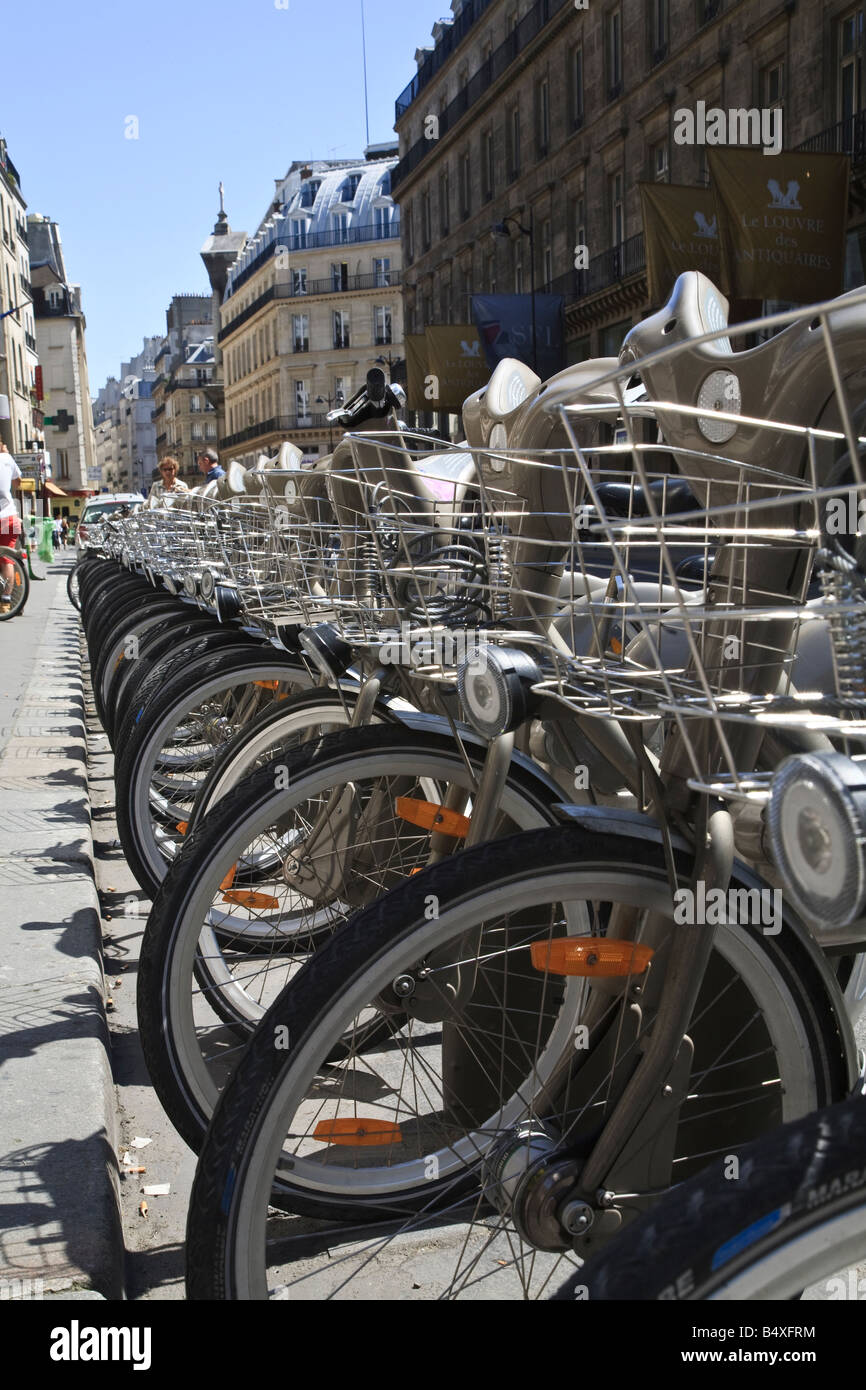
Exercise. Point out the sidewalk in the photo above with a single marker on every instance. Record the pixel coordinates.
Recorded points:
(59, 1216)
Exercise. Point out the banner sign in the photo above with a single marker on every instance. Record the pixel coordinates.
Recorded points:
(680, 232)
(416, 370)
(781, 222)
(456, 366)
(505, 324)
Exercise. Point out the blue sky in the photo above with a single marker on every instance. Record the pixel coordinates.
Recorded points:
(223, 89)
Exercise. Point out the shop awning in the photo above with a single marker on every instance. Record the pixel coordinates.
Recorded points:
(53, 490)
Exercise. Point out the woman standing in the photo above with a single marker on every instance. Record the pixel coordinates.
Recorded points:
(167, 484)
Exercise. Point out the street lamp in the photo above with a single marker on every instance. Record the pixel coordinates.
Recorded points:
(330, 401)
(501, 229)
(390, 362)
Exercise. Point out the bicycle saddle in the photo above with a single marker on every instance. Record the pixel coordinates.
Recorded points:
(669, 496)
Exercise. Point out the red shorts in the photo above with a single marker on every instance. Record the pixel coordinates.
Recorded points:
(10, 527)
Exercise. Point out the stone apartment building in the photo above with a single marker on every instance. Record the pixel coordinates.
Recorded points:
(60, 338)
(552, 114)
(312, 302)
(20, 423)
(124, 428)
(184, 417)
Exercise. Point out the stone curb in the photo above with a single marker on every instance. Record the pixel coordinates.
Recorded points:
(58, 1144)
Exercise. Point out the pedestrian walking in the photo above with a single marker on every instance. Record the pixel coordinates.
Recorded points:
(56, 533)
(64, 533)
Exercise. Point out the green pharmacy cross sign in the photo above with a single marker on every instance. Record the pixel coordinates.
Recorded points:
(61, 421)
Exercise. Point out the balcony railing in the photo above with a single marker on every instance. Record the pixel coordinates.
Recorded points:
(376, 281)
(278, 424)
(846, 137)
(490, 70)
(604, 270)
(452, 37)
(313, 241)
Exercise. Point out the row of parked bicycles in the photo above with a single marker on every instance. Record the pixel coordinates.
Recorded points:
(503, 809)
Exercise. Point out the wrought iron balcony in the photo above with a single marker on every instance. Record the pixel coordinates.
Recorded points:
(376, 280)
(490, 70)
(845, 137)
(277, 424)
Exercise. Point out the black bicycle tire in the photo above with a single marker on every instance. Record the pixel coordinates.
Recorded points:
(716, 1225)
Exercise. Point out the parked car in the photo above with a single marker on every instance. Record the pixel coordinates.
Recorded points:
(106, 505)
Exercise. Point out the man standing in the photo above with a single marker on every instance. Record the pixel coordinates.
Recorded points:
(209, 464)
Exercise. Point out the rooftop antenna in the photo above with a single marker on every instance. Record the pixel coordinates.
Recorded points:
(364, 46)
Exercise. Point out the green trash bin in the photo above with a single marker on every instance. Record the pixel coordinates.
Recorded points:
(46, 542)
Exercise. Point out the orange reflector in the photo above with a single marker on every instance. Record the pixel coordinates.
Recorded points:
(358, 1132)
(419, 870)
(229, 878)
(244, 897)
(616, 646)
(590, 955)
(266, 685)
(432, 817)
(183, 826)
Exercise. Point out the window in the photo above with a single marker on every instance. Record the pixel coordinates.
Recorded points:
(382, 221)
(659, 162)
(340, 389)
(426, 232)
(385, 184)
(382, 324)
(63, 463)
(445, 301)
(617, 213)
(340, 275)
(350, 188)
(381, 271)
(707, 10)
(518, 267)
(850, 78)
(195, 404)
(772, 84)
(487, 181)
(340, 225)
(210, 430)
(490, 273)
(512, 141)
(465, 184)
(444, 202)
(546, 253)
(196, 430)
(341, 328)
(309, 191)
(575, 85)
(299, 233)
(542, 115)
(613, 53)
(302, 400)
(409, 226)
(301, 332)
(299, 281)
(658, 30)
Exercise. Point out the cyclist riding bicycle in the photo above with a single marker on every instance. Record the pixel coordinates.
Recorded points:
(10, 524)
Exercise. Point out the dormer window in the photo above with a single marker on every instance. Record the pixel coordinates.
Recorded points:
(385, 184)
(350, 188)
(309, 191)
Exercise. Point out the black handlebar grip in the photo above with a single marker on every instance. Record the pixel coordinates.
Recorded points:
(376, 384)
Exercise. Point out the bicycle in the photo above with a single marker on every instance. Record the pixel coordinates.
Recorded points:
(564, 1084)
(14, 580)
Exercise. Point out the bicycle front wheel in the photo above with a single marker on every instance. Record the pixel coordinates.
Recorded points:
(438, 1123)
(791, 1213)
